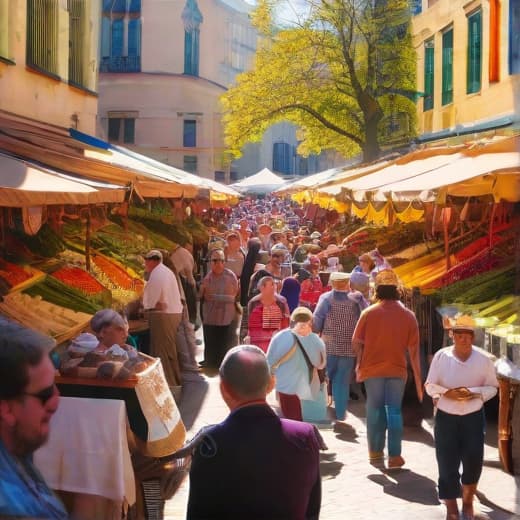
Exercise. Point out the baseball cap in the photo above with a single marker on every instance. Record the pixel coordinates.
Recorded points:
(154, 254)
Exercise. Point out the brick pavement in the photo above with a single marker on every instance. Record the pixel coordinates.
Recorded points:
(352, 488)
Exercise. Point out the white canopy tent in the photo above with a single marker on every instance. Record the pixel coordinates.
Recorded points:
(265, 181)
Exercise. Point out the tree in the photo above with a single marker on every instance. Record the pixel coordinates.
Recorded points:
(345, 76)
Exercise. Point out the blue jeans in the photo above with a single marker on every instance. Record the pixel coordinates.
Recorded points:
(339, 370)
(384, 399)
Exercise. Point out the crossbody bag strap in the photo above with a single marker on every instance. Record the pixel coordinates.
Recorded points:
(284, 358)
(310, 366)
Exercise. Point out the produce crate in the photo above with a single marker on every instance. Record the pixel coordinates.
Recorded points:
(19, 277)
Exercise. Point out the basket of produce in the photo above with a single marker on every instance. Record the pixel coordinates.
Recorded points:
(17, 277)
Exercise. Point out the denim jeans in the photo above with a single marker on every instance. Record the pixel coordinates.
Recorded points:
(384, 399)
(339, 370)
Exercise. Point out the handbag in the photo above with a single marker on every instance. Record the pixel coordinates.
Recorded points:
(322, 374)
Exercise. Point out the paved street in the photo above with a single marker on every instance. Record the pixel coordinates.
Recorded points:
(354, 489)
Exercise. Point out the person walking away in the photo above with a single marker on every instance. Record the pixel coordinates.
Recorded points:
(235, 257)
(163, 308)
(335, 318)
(182, 258)
(218, 293)
(294, 355)
(461, 379)
(28, 400)
(268, 313)
(385, 332)
(254, 465)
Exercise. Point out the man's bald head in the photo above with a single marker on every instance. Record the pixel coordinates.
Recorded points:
(245, 372)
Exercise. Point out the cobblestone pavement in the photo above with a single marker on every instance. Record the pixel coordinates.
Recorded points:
(352, 488)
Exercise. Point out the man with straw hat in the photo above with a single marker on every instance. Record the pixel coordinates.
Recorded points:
(461, 379)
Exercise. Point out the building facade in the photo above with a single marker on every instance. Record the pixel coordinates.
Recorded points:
(164, 66)
(468, 65)
(48, 61)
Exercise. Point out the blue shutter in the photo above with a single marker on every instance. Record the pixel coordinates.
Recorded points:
(514, 36)
(447, 67)
(117, 38)
(134, 37)
(191, 52)
(189, 133)
(429, 77)
(474, 53)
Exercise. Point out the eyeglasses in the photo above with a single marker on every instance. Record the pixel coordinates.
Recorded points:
(44, 395)
(277, 255)
(215, 260)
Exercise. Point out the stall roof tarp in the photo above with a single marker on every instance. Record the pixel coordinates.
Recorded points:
(456, 172)
(262, 182)
(23, 184)
(125, 157)
(309, 180)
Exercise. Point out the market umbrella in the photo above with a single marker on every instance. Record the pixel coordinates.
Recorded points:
(265, 181)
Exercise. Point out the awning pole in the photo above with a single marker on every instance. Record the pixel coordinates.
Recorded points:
(87, 241)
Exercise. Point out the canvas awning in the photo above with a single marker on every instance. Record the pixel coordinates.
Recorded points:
(23, 184)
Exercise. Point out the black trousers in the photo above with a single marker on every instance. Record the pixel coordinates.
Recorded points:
(217, 341)
(459, 439)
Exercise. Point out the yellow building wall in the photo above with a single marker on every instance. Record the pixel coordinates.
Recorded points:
(495, 99)
(35, 95)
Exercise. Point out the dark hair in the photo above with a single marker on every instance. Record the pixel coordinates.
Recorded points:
(246, 371)
(387, 292)
(20, 348)
(253, 246)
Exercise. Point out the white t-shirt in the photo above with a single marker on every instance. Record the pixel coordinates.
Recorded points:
(477, 373)
(162, 287)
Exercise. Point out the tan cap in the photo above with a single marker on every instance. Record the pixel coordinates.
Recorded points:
(338, 276)
(386, 277)
(301, 314)
(154, 254)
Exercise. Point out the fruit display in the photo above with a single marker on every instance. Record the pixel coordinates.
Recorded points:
(46, 243)
(54, 291)
(78, 278)
(14, 276)
(35, 313)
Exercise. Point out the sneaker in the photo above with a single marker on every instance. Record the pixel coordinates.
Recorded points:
(396, 462)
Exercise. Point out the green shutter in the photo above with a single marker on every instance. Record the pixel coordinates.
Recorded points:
(447, 67)
(429, 58)
(474, 52)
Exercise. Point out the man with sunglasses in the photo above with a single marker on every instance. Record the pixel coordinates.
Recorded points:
(28, 399)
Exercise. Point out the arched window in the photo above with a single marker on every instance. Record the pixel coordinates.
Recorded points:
(192, 18)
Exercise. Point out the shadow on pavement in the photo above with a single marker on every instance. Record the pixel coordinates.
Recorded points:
(408, 485)
(329, 467)
(194, 391)
(418, 434)
(345, 432)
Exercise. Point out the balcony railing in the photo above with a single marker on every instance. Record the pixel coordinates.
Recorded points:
(120, 64)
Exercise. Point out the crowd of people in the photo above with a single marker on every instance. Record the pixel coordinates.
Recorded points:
(276, 314)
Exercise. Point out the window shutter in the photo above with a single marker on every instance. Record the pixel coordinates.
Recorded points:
(447, 67)
(474, 52)
(429, 58)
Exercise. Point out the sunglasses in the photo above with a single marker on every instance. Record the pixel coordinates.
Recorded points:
(281, 255)
(44, 395)
(215, 260)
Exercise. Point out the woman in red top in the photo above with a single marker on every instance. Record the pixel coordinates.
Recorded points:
(268, 313)
(311, 287)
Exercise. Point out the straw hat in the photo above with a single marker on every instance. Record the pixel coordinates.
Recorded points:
(386, 277)
(463, 322)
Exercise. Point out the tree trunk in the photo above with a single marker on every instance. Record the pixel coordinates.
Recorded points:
(371, 148)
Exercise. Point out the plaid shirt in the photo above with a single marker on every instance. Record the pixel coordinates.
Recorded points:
(339, 324)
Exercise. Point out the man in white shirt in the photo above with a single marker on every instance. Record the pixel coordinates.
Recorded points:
(163, 307)
(461, 378)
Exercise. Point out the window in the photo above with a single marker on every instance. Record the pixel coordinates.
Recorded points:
(189, 137)
(282, 157)
(121, 130)
(474, 52)
(514, 36)
(191, 18)
(494, 40)
(42, 35)
(77, 20)
(416, 6)
(429, 75)
(121, 36)
(190, 163)
(191, 52)
(447, 67)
